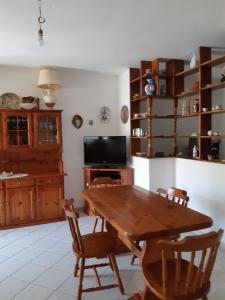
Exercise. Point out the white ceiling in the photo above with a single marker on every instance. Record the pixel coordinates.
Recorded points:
(107, 35)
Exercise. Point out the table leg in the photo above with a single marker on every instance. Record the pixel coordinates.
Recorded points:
(120, 247)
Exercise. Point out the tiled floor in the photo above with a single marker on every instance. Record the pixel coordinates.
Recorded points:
(36, 263)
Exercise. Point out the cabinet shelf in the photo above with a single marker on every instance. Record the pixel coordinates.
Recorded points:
(212, 137)
(214, 62)
(139, 137)
(187, 94)
(163, 136)
(144, 76)
(188, 72)
(187, 136)
(214, 86)
(187, 116)
(219, 111)
(144, 98)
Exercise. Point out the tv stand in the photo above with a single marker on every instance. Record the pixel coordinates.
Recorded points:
(123, 174)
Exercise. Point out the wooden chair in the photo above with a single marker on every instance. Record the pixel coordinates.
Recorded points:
(176, 278)
(177, 195)
(93, 245)
(97, 183)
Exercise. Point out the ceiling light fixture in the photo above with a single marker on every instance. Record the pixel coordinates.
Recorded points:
(41, 20)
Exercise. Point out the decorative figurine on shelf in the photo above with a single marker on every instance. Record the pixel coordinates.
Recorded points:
(195, 151)
(223, 76)
(195, 106)
(150, 87)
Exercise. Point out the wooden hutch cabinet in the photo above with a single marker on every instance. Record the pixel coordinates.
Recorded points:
(31, 143)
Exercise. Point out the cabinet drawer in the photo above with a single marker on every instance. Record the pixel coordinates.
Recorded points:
(12, 183)
(50, 180)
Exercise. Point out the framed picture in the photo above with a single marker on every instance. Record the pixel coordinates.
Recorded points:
(77, 121)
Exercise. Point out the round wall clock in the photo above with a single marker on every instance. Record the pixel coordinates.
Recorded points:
(105, 114)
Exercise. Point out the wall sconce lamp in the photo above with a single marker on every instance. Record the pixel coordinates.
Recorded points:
(48, 81)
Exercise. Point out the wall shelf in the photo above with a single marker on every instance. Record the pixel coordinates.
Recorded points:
(162, 135)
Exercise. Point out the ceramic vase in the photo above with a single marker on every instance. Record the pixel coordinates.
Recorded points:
(150, 87)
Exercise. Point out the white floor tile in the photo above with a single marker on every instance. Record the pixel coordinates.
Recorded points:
(29, 254)
(47, 259)
(60, 296)
(70, 286)
(4, 243)
(10, 287)
(3, 258)
(66, 264)
(10, 266)
(34, 292)
(44, 243)
(61, 248)
(12, 249)
(28, 239)
(29, 272)
(52, 279)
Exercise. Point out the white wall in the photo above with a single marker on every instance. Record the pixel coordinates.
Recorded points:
(82, 93)
(205, 183)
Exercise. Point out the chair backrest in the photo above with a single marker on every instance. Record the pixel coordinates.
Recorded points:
(177, 195)
(103, 182)
(202, 250)
(72, 217)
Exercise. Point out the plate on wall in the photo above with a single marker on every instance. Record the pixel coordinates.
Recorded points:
(10, 100)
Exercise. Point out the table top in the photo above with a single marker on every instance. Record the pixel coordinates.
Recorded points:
(141, 214)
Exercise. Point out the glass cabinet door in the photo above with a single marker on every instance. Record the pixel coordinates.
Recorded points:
(17, 129)
(47, 129)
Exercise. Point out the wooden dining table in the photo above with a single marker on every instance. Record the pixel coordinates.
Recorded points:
(135, 214)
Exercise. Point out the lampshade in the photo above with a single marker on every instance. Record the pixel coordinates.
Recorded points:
(48, 79)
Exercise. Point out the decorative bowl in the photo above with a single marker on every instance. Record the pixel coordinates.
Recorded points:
(28, 105)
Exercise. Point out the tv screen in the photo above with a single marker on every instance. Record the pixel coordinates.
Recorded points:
(105, 150)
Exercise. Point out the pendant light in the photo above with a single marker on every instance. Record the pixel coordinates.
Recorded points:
(41, 20)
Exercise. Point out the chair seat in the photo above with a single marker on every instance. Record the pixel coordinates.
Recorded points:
(153, 274)
(98, 244)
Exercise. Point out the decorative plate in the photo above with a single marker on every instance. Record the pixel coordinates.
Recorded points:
(77, 121)
(124, 114)
(105, 114)
(11, 101)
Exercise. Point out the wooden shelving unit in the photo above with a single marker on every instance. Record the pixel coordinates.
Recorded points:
(175, 76)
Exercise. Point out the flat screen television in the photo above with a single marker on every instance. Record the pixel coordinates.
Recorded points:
(105, 151)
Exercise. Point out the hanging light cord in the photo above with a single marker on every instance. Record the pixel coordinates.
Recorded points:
(41, 19)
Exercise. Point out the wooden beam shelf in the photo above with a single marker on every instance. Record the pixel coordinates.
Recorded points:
(188, 72)
(187, 94)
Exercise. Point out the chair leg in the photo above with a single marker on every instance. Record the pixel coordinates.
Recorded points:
(103, 225)
(133, 259)
(97, 277)
(134, 256)
(95, 225)
(80, 288)
(76, 268)
(110, 263)
(116, 270)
